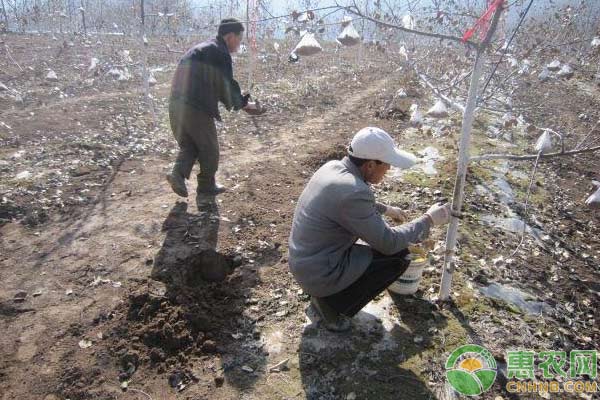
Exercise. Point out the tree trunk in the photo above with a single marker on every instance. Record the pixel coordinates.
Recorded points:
(463, 159)
(247, 18)
(145, 72)
(82, 9)
(5, 15)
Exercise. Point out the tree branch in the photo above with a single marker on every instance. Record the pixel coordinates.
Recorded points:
(356, 11)
(448, 100)
(527, 157)
(587, 136)
(11, 57)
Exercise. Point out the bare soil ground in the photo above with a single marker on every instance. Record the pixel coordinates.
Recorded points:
(116, 269)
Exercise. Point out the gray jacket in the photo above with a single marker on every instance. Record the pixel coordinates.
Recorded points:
(336, 208)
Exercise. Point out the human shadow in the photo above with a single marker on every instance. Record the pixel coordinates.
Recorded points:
(201, 309)
(378, 358)
(188, 253)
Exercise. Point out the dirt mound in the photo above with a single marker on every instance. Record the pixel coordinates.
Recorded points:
(334, 152)
(164, 332)
(75, 383)
(161, 330)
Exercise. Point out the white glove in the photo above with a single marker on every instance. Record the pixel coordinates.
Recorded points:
(396, 213)
(439, 213)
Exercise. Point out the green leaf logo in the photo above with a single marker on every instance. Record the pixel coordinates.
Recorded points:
(471, 370)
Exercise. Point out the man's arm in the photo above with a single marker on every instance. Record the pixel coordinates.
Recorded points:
(358, 214)
(228, 89)
(231, 94)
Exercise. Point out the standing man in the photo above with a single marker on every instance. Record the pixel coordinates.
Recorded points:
(336, 208)
(204, 77)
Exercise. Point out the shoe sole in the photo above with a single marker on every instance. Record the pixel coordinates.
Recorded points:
(177, 190)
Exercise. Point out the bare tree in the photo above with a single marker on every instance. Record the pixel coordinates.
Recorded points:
(5, 15)
(463, 158)
(82, 10)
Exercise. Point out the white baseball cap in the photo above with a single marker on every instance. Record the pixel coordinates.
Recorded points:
(372, 143)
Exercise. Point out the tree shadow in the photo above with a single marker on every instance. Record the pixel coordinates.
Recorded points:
(73, 228)
(377, 358)
(501, 377)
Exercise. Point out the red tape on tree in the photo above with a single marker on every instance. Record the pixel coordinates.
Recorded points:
(482, 24)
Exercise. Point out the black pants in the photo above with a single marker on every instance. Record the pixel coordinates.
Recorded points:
(380, 274)
(196, 135)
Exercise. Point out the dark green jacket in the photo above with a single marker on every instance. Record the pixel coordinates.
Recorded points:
(204, 76)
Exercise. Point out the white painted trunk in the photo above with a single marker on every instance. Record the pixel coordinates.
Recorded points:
(463, 161)
(145, 72)
(461, 174)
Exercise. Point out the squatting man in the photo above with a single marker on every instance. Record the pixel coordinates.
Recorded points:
(338, 207)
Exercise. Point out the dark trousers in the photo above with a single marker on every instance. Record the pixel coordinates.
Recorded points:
(380, 274)
(196, 135)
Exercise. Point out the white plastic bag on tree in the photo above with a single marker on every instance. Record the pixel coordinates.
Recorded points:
(438, 110)
(120, 75)
(403, 52)
(349, 36)
(525, 67)
(544, 143)
(544, 75)
(553, 66)
(304, 17)
(93, 64)
(408, 22)
(126, 57)
(401, 94)
(594, 200)
(565, 72)
(151, 79)
(52, 76)
(416, 117)
(307, 46)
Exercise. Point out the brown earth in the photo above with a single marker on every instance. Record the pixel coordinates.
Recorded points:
(127, 283)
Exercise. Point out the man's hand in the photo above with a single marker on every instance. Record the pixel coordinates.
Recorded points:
(439, 213)
(396, 213)
(254, 108)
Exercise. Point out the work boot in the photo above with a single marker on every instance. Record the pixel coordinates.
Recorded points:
(177, 183)
(208, 186)
(331, 319)
(206, 203)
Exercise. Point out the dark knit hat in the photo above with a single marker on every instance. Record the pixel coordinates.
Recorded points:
(230, 25)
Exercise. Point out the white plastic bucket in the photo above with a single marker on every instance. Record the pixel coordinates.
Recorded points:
(409, 281)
